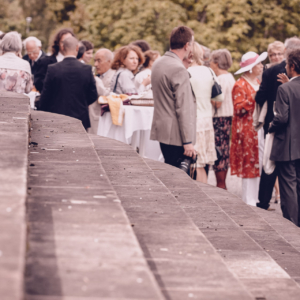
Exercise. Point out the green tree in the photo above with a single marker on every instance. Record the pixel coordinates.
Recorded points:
(113, 24)
(11, 16)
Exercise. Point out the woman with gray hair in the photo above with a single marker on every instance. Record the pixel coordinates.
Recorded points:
(15, 73)
(220, 62)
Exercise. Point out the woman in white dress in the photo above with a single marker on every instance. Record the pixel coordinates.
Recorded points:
(202, 80)
(150, 57)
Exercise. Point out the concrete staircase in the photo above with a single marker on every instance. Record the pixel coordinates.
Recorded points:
(104, 223)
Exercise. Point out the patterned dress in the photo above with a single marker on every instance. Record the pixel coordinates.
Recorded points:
(17, 81)
(244, 160)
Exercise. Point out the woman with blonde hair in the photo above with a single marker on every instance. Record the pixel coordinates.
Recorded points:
(202, 81)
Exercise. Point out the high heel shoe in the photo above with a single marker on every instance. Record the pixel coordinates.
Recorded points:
(277, 199)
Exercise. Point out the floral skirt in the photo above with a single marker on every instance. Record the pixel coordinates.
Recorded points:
(222, 127)
(205, 142)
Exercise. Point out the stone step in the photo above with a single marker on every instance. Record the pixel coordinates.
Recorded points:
(182, 260)
(14, 127)
(251, 246)
(80, 242)
(200, 241)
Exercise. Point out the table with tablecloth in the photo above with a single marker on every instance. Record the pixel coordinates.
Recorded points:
(135, 130)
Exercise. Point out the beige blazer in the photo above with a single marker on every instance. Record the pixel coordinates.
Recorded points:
(103, 89)
(174, 120)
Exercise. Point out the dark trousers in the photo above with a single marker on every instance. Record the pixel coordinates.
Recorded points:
(266, 186)
(171, 153)
(289, 185)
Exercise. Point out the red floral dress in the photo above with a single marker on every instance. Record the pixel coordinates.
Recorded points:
(244, 160)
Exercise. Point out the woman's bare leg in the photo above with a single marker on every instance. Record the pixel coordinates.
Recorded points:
(201, 175)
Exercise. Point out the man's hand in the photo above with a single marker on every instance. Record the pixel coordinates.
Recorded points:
(189, 150)
(282, 78)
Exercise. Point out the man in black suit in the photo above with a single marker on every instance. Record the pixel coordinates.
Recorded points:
(57, 56)
(69, 86)
(286, 145)
(33, 47)
(267, 92)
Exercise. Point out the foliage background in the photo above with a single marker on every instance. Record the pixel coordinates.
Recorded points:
(238, 25)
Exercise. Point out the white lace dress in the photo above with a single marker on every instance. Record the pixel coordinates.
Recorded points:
(202, 81)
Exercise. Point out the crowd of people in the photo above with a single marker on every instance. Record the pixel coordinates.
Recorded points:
(200, 111)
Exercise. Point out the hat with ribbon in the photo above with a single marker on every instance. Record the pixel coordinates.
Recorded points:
(249, 60)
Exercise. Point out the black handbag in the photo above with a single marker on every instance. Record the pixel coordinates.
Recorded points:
(216, 89)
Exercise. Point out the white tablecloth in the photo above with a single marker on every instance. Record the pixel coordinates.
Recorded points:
(32, 96)
(135, 130)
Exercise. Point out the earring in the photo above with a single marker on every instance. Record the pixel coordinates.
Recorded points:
(250, 71)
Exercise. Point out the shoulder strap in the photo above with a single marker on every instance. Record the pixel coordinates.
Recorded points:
(116, 82)
(212, 74)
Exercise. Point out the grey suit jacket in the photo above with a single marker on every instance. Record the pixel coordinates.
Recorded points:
(286, 122)
(174, 120)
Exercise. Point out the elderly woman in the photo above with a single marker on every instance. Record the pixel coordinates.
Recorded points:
(126, 62)
(275, 53)
(150, 57)
(202, 81)
(220, 62)
(246, 143)
(15, 73)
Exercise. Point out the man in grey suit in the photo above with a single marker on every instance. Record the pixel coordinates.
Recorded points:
(286, 145)
(174, 120)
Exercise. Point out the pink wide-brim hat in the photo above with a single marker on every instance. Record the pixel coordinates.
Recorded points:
(249, 60)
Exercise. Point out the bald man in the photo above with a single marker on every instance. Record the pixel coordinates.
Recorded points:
(103, 60)
(69, 86)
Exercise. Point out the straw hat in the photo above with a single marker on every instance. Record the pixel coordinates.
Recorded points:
(249, 60)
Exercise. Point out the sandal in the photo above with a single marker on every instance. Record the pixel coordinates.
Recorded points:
(277, 199)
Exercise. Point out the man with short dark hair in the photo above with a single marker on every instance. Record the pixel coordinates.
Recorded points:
(174, 120)
(286, 145)
(69, 86)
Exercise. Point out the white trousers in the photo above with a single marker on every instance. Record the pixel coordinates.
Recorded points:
(250, 186)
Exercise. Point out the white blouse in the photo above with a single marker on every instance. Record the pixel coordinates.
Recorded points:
(139, 79)
(202, 81)
(227, 82)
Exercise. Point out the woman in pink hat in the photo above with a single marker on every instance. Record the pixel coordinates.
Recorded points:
(245, 143)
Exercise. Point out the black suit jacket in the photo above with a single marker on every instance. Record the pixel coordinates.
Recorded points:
(286, 122)
(69, 89)
(268, 90)
(42, 67)
(34, 67)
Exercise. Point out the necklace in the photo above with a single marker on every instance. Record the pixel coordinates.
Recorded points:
(254, 82)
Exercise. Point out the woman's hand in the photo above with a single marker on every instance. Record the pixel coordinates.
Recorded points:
(216, 104)
(146, 81)
(282, 78)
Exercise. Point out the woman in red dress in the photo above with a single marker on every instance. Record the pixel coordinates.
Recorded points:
(245, 142)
